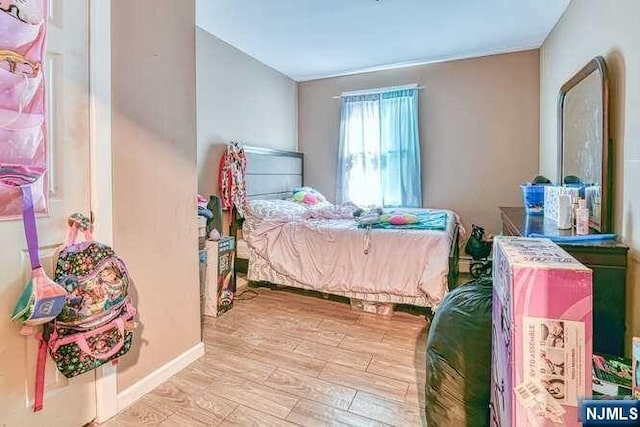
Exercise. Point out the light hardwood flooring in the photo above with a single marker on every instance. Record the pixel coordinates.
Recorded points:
(285, 359)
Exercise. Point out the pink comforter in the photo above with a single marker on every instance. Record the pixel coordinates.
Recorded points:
(324, 249)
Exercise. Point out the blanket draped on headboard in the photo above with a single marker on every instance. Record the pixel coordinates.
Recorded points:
(232, 178)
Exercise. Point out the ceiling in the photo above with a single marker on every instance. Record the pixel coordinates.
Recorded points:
(310, 39)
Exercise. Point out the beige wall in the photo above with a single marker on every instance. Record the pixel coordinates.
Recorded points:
(587, 29)
(479, 130)
(154, 169)
(240, 99)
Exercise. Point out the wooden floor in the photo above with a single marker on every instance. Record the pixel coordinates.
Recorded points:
(285, 359)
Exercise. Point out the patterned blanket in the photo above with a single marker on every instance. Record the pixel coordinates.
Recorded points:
(429, 220)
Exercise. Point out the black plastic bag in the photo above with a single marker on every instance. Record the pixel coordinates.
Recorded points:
(459, 358)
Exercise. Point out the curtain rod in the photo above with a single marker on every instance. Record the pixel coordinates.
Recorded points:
(379, 90)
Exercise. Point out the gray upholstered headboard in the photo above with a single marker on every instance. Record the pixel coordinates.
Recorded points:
(272, 174)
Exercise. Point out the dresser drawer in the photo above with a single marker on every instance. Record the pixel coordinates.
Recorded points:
(594, 256)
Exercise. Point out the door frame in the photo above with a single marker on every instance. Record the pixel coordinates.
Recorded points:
(101, 168)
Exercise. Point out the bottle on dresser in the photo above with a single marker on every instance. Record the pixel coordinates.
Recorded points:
(565, 211)
(582, 218)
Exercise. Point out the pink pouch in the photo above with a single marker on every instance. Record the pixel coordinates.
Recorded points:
(42, 300)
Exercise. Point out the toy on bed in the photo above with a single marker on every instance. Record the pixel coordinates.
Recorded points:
(377, 216)
(399, 218)
(308, 196)
(479, 248)
(423, 219)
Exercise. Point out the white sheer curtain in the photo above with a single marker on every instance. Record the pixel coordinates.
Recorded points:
(359, 159)
(379, 154)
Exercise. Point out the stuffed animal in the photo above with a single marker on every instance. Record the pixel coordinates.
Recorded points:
(308, 196)
(399, 219)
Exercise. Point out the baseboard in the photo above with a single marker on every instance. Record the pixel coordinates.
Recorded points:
(128, 396)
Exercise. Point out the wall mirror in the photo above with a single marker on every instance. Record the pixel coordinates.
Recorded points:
(583, 109)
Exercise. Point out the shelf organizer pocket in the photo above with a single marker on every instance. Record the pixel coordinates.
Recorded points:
(17, 28)
(19, 141)
(20, 79)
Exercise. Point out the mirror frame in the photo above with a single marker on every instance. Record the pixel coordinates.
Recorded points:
(597, 64)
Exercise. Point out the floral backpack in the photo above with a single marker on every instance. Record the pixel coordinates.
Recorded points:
(96, 323)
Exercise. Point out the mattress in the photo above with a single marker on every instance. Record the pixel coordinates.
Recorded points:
(323, 249)
(261, 271)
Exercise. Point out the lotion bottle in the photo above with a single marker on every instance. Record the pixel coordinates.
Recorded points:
(582, 218)
(574, 211)
(565, 211)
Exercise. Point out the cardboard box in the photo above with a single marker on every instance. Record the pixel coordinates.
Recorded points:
(541, 333)
(373, 307)
(551, 193)
(220, 285)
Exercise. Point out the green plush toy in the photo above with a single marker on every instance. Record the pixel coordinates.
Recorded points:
(308, 196)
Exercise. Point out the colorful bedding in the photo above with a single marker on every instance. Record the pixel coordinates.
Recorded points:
(323, 249)
(428, 220)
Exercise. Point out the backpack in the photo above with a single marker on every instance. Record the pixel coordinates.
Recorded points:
(92, 326)
(96, 324)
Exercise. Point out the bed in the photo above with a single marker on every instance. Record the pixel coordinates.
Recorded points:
(322, 248)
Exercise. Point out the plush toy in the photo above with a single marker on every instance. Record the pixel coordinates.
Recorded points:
(304, 197)
(399, 219)
(308, 196)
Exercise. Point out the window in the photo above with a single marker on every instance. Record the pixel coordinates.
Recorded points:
(379, 156)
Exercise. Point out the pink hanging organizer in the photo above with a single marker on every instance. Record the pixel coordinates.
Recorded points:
(23, 115)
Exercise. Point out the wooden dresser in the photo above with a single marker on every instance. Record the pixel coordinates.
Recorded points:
(608, 260)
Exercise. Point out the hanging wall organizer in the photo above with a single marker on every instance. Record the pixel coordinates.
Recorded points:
(23, 127)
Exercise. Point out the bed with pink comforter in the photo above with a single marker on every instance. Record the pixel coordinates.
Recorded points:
(323, 249)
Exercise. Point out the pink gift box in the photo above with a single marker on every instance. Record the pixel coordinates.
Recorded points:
(542, 334)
